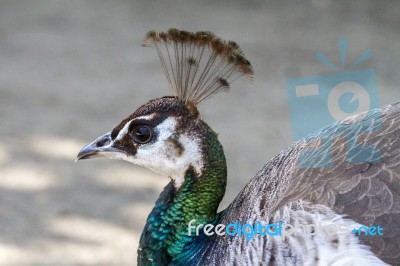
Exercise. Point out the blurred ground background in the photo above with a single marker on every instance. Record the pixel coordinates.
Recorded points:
(71, 70)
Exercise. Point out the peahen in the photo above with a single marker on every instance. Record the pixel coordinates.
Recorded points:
(307, 184)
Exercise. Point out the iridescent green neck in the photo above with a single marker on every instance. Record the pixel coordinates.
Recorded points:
(165, 237)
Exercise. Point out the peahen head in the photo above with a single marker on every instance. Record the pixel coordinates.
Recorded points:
(168, 136)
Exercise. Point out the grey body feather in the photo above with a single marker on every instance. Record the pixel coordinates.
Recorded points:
(367, 193)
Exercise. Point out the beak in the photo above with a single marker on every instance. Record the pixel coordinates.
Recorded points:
(101, 147)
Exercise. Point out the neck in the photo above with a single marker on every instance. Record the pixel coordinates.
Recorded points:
(165, 237)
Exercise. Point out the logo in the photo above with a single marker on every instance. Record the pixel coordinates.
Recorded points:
(279, 229)
(318, 101)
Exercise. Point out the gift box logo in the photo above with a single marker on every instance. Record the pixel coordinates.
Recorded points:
(318, 101)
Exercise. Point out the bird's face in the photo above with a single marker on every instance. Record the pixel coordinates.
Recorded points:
(164, 135)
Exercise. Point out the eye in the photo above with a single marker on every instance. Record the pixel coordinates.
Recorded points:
(141, 134)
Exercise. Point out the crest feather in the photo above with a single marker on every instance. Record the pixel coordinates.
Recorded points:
(198, 64)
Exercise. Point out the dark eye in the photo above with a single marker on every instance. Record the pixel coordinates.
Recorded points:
(141, 134)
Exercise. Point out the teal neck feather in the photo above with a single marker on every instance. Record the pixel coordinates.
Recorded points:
(165, 238)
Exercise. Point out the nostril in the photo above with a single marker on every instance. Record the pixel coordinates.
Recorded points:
(103, 142)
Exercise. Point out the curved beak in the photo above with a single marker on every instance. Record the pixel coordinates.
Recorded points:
(101, 147)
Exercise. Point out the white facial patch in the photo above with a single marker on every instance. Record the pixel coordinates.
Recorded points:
(125, 129)
(164, 157)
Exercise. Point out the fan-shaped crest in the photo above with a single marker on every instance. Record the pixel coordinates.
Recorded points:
(198, 64)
